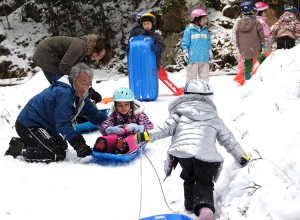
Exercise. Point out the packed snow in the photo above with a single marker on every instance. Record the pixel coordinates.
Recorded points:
(263, 115)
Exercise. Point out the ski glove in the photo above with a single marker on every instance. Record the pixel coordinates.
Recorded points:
(142, 137)
(95, 95)
(156, 48)
(79, 145)
(263, 48)
(244, 160)
(119, 130)
(169, 164)
(186, 55)
(134, 127)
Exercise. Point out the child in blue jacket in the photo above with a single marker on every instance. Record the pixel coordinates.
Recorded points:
(196, 46)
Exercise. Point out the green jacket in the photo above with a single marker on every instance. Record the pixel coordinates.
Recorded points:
(58, 54)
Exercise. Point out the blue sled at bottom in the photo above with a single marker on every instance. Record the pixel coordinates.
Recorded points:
(167, 217)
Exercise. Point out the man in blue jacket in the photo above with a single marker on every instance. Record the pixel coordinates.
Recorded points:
(45, 123)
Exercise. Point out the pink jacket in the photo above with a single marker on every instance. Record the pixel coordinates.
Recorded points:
(137, 117)
(263, 21)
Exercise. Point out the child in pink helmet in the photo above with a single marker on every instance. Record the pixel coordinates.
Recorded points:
(196, 46)
(126, 119)
(261, 16)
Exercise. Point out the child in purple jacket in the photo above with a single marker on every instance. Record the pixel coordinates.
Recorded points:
(126, 119)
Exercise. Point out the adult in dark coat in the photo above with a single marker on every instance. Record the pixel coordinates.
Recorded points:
(56, 55)
(45, 123)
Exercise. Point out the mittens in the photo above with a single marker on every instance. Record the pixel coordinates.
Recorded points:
(263, 48)
(119, 130)
(95, 95)
(141, 137)
(169, 164)
(156, 48)
(132, 127)
(244, 160)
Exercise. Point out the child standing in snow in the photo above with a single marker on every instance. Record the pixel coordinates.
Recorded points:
(261, 8)
(250, 38)
(196, 46)
(195, 126)
(127, 118)
(147, 26)
(287, 29)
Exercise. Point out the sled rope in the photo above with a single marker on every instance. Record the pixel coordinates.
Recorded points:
(141, 187)
(158, 181)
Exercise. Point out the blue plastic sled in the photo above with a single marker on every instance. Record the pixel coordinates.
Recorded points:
(118, 157)
(142, 70)
(167, 217)
(87, 127)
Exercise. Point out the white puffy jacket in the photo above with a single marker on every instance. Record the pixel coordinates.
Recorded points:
(195, 126)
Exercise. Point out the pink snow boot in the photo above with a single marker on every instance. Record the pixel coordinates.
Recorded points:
(205, 214)
(105, 144)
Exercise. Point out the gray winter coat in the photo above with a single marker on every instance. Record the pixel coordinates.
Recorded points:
(249, 37)
(195, 126)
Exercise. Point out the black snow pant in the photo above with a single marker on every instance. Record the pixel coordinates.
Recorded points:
(41, 145)
(198, 183)
(285, 43)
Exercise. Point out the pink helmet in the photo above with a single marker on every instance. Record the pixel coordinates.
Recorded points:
(261, 6)
(197, 13)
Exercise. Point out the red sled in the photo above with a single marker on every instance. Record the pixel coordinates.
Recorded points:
(163, 76)
(240, 78)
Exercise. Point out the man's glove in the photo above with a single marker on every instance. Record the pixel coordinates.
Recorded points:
(156, 48)
(211, 55)
(263, 48)
(141, 137)
(186, 55)
(78, 143)
(134, 127)
(119, 130)
(244, 160)
(169, 164)
(95, 95)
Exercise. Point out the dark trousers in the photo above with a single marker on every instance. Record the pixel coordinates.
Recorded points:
(41, 145)
(51, 76)
(285, 43)
(198, 183)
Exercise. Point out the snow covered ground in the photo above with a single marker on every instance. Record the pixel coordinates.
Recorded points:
(263, 115)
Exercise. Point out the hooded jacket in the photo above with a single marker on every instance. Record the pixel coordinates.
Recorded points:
(197, 42)
(287, 25)
(58, 54)
(56, 107)
(249, 37)
(195, 126)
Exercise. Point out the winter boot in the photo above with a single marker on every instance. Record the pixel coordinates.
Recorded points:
(205, 214)
(16, 145)
(107, 145)
(247, 76)
(100, 145)
(121, 146)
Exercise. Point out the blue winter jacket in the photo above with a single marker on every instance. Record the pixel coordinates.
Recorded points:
(197, 42)
(55, 109)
